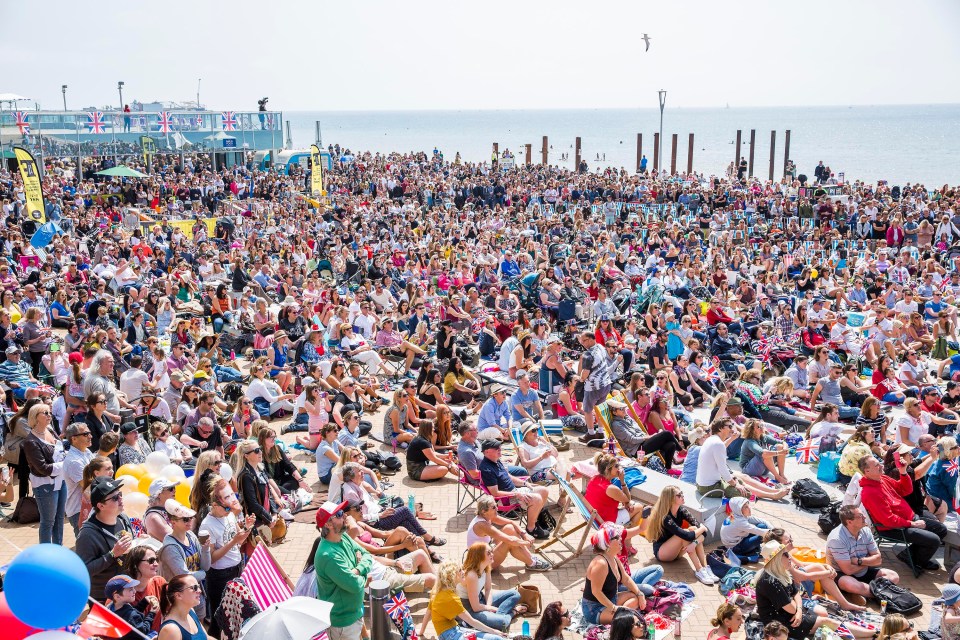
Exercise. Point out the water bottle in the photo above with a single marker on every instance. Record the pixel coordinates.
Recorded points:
(611, 446)
(651, 630)
(411, 504)
(525, 629)
(233, 354)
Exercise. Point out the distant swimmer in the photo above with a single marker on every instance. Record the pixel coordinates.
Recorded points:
(646, 39)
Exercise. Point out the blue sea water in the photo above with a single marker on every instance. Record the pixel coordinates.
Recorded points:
(919, 143)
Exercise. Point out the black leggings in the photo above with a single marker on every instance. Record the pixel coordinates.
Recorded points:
(664, 442)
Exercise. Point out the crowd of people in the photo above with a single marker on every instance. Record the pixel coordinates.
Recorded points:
(692, 326)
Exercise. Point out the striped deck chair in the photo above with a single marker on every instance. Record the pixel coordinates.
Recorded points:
(603, 416)
(516, 437)
(590, 521)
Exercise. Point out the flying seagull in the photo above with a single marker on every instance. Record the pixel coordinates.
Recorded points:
(646, 39)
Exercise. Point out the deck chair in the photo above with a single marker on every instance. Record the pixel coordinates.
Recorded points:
(897, 538)
(590, 521)
(603, 416)
(516, 437)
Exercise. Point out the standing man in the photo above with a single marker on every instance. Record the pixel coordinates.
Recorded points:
(76, 459)
(106, 535)
(596, 381)
(342, 567)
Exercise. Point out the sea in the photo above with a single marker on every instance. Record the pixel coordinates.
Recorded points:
(900, 144)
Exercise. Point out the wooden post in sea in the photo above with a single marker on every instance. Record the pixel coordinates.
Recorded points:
(639, 150)
(529, 153)
(673, 154)
(656, 151)
(753, 144)
(496, 155)
(577, 152)
(543, 151)
(690, 155)
(786, 150)
(773, 150)
(736, 158)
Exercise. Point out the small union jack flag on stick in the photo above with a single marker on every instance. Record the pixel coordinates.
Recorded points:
(229, 120)
(808, 451)
(95, 122)
(22, 123)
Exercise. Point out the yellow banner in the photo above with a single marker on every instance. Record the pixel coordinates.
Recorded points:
(31, 185)
(184, 225)
(316, 174)
(149, 148)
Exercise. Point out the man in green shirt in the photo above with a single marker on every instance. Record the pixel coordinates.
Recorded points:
(342, 567)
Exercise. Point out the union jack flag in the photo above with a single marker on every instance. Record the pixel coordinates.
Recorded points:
(269, 121)
(95, 122)
(953, 467)
(229, 120)
(712, 369)
(22, 123)
(164, 121)
(321, 636)
(200, 126)
(397, 606)
(808, 451)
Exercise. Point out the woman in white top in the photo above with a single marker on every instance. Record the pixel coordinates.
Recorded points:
(263, 387)
(165, 442)
(537, 455)
(913, 424)
(354, 457)
(505, 537)
(495, 609)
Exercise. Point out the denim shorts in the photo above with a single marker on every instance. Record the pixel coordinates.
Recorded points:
(591, 610)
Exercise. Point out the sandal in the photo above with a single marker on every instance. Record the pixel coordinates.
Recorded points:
(519, 610)
(436, 542)
(435, 557)
(425, 515)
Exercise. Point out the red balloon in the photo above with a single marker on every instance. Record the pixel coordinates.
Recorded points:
(13, 629)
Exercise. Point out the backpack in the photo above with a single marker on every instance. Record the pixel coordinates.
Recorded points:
(666, 602)
(830, 517)
(735, 578)
(898, 599)
(809, 496)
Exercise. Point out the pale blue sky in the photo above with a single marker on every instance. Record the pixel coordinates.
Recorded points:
(497, 54)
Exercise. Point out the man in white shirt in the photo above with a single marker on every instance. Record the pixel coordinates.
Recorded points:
(382, 298)
(846, 335)
(713, 474)
(76, 459)
(133, 379)
(366, 322)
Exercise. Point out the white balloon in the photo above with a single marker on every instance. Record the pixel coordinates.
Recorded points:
(173, 472)
(226, 471)
(135, 504)
(156, 462)
(53, 635)
(130, 484)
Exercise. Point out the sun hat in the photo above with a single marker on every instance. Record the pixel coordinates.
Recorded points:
(951, 593)
(160, 485)
(771, 550)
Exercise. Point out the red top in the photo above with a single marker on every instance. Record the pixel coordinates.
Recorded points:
(714, 316)
(596, 496)
(884, 501)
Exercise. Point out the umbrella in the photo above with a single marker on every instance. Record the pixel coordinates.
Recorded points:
(297, 618)
(122, 171)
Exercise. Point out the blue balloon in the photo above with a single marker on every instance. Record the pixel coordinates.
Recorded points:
(47, 586)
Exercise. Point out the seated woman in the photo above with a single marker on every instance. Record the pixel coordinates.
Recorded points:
(505, 536)
(165, 442)
(379, 517)
(860, 445)
(383, 543)
(941, 479)
(783, 396)
(605, 575)
(612, 501)
(742, 533)
(749, 390)
(697, 435)
(828, 428)
(495, 609)
(537, 455)
(263, 388)
(762, 455)
(424, 464)
(461, 385)
(728, 621)
(779, 595)
(568, 409)
(328, 452)
(888, 388)
(278, 466)
(258, 495)
(399, 425)
(877, 420)
(671, 539)
(134, 448)
(446, 609)
(368, 478)
(317, 406)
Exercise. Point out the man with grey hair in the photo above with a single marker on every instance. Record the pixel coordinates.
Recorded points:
(99, 381)
(78, 456)
(204, 435)
(342, 572)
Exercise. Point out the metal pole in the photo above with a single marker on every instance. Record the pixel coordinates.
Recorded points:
(578, 153)
(663, 102)
(63, 88)
(753, 142)
(120, 90)
(786, 150)
(317, 137)
(773, 150)
(289, 137)
(40, 142)
(76, 124)
(543, 152)
(529, 154)
(198, 93)
(381, 628)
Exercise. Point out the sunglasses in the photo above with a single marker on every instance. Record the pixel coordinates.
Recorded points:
(194, 587)
(152, 560)
(163, 433)
(257, 450)
(114, 498)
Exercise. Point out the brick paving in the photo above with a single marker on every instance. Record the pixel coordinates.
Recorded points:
(562, 583)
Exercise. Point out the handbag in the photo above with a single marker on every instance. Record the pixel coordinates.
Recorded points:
(531, 597)
(27, 511)
(940, 351)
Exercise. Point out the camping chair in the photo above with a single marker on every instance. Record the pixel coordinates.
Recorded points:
(591, 520)
(469, 490)
(896, 537)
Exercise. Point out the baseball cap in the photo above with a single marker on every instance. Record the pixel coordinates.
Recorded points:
(13, 349)
(118, 583)
(161, 484)
(128, 427)
(904, 449)
(103, 487)
(75, 357)
(177, 510)
(490, 444)
(326, 510)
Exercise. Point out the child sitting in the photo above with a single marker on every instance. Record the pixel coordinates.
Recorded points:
(742, 533)
(120, 593)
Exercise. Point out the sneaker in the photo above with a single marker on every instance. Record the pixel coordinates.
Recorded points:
(539, 564)
(711, 575)
(703, 577)
(931, 565)
(286, 515)
(587, 437)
